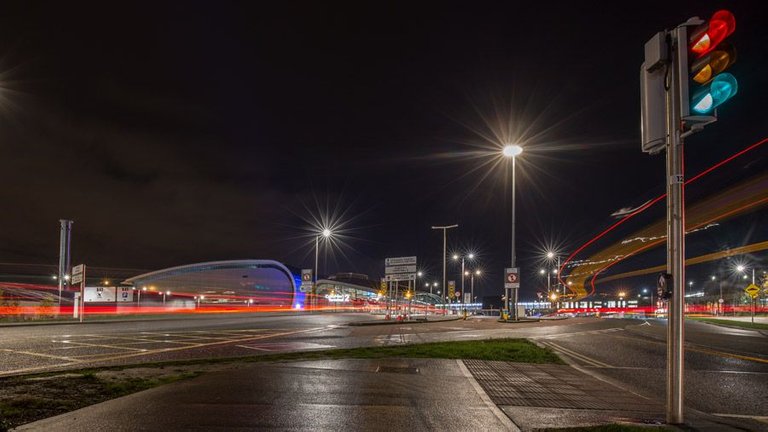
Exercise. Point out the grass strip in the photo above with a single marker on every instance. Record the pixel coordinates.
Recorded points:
(733, 323)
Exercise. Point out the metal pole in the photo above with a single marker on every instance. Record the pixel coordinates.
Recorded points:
(675, 234)
(472, 288)
(65, 234)
(314, 285)
(462, 279)
(514, 257)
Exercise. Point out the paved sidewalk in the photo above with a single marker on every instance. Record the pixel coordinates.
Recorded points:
(381, 395)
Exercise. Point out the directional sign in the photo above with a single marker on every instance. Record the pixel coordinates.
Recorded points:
(753, 290)
(400, 261)
(76, 278)
(78, 269)
(400, 269)
(512, 277)
(400, 277)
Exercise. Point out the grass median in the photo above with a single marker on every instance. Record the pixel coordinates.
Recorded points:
(733, 323)
(24, 399)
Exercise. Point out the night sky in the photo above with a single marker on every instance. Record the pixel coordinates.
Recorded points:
(182, 132)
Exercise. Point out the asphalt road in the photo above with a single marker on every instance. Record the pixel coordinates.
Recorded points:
(727, 368)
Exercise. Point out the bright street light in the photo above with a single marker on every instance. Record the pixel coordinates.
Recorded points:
(550, 254)
(740, 268)
(511, 150)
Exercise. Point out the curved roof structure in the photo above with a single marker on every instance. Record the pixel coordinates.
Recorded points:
(235, 278)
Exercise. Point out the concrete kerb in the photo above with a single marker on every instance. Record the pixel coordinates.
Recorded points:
(395, 322)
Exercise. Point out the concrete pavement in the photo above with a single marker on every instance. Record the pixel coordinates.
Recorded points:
(377, 395)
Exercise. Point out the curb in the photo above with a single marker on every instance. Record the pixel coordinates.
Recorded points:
(394, 322)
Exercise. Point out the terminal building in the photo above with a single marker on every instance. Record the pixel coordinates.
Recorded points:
(237, 282)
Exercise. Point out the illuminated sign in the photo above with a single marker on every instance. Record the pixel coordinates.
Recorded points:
(337, 298)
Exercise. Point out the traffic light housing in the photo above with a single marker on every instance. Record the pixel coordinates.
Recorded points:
(703, 62)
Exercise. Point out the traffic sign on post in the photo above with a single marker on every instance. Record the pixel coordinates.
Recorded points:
(752, 290)
(512, 277)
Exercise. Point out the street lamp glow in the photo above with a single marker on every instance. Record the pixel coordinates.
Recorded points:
(511, 150)
(713, 277)
(550, 254)
(478, 272)
(621, 294)
(419, 273)
(455, 256)
(542, 272)
(471, 256)
(466, 273)
(327, 233)
(740, 268)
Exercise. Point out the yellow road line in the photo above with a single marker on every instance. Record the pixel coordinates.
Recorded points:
(38, 354)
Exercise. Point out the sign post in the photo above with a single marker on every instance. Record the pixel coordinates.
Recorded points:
(511, 285)
(78, 276)
(752, 290)
(398, 269)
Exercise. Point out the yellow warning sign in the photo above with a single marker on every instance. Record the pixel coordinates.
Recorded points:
(753, 290)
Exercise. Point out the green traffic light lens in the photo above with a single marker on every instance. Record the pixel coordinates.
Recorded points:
(722, 88)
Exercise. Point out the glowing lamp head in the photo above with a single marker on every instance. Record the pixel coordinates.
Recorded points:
(511, 150)
(455, 257)
(705, 38)
(419, 273)
(550, 254)
(471, 256)
(327, 233)
(740, 268)
(478, 272)
(722, 88)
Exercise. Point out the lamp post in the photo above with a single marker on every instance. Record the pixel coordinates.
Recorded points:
(463, 272)
(472, 284)
(512, 151)
(445, 256)
(167, 293)
(325, 234)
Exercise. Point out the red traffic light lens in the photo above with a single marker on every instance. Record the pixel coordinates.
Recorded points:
(708, 36)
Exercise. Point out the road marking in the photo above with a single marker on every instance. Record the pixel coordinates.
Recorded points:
(70, 359)
(574, 354)
(85, 344)
(506, 421)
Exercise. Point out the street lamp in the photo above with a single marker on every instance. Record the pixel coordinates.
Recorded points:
(556, 271)
(325, 234)
(445, 230)
(512, 151)
(472, 283)
(167, 293)
(463, 272)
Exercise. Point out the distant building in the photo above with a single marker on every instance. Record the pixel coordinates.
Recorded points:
(237, 282)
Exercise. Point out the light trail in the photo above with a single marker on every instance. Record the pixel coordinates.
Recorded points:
(645, 207)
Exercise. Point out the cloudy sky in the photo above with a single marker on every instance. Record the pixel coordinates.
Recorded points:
(180, 132)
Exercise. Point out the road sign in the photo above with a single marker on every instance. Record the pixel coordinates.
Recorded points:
(512, 277)
(753, 290)
(400, 277)
(76, 279)
(400, 269)
(306, 280)
(78, 269)
(400, 261)
(451, 288)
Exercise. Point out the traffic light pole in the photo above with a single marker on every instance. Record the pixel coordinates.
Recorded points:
(676, 228)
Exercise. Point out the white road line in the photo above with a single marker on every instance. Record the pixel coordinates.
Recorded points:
(763, 419)
(578, 356)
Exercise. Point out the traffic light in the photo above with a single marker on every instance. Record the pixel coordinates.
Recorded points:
(707, 57)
